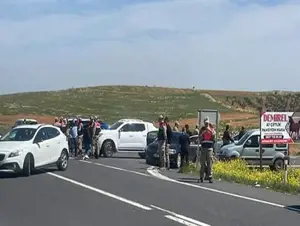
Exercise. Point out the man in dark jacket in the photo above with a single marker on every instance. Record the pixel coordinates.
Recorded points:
(184, 141)
(187, 130)
(169, 140)
(226, 136)
(242, 132)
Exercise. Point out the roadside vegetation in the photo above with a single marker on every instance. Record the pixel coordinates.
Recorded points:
(238, 171)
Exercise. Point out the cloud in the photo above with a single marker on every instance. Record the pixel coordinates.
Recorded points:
(219, 44)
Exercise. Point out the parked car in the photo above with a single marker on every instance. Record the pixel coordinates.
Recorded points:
(151, 136)
(152, 155)
(248, 148)
(27, 147)
(86, 121)
(125, 135)
(26, 121)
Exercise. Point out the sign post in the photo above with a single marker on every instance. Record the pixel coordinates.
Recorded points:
(214, 118)
(279, 128)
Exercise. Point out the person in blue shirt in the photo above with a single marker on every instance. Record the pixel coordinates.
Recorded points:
(73, 133)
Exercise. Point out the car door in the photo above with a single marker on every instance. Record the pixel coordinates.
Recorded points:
(125, 137)
(193, 152)
(139, 141)
(250, 151)
(41, 146)
(55, 143)
(268, 153)
(151, 136)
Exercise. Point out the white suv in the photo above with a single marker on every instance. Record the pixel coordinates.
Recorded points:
(27, 147)
(125, 135)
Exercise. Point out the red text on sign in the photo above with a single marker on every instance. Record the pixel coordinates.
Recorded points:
(275, 118)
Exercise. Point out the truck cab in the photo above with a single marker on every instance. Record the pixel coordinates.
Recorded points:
(125, 135)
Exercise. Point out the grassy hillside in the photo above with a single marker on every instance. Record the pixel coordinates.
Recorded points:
(111, 102)
(115, 102)
(270, 101)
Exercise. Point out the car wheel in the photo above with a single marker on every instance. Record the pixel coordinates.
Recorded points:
(27, 166)
(178, 161)
(62, 163)
(108, 148)
(278, 164)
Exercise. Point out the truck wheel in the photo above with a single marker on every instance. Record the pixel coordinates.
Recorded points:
(108, 148)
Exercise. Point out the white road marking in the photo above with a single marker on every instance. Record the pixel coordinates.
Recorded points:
(155, 173)
(116, 168)
(180, 221)
(186, 219)
(119, 198)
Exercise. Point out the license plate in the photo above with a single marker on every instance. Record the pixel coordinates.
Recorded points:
(156, 155)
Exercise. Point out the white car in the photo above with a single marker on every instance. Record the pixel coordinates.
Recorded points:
(125, 135)
(25, 121)
(27, 147)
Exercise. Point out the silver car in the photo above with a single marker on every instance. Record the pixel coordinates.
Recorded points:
(248, 148)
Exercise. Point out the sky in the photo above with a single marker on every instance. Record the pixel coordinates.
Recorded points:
(208, 44)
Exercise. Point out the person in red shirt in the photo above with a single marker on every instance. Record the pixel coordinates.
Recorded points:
(207, 140)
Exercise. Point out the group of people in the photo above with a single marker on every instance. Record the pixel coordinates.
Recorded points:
(79, 135)
(207, 137)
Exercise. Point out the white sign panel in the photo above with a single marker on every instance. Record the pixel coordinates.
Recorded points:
(279, 127)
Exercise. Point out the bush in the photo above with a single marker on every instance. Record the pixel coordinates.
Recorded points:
(238, 171)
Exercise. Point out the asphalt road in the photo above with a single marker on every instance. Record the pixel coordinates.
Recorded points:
(122, 191)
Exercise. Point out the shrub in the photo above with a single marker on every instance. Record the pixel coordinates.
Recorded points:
(238, 171)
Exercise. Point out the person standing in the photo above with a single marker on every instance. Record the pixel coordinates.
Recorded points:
(80, 135)
(95, 138)
(73, 138)
(187, 130)
(162, 141)
(196, 130)
(57, 122)
(207, 140)
(176, 126)
(87, 141)
(226, 136)
(242, 132)
(184, 141)
(169, 140)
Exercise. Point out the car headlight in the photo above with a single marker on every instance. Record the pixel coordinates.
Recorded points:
(15, 153)
(172, 151)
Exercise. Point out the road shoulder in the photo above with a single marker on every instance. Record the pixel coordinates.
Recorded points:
(234, 188)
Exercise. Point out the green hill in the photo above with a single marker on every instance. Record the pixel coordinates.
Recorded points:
(111, 102)
(115, 102)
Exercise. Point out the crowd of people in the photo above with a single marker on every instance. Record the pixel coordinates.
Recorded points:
(81, 136)
(207, 139)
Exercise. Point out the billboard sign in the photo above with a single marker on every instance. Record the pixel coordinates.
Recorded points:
(279, 127)
(212, 115)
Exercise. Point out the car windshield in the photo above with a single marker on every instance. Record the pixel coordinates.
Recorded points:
(244, 138)
(116, 125)
(19, 134)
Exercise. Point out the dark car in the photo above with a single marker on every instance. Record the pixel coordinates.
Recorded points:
(151, 136)
(152, 155)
